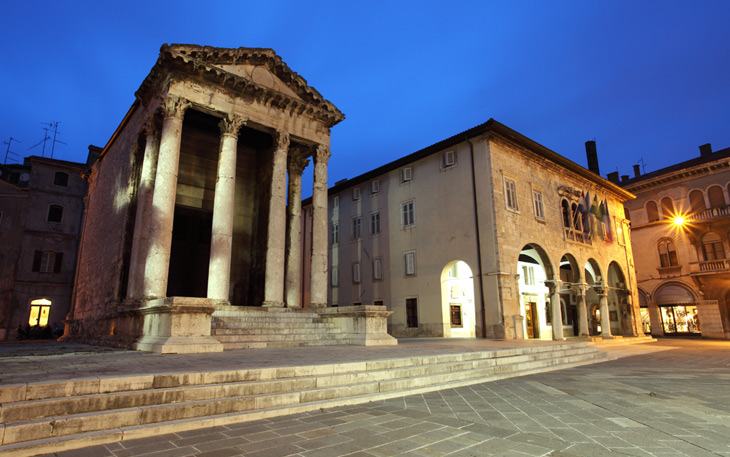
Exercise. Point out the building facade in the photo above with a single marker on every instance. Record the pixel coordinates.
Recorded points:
(681, 223)
(485, 234)
(187, 202)
(41, 213)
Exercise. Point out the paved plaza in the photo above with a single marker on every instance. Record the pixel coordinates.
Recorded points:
(667, 398)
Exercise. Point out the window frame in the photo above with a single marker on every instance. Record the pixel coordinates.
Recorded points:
(334, 276)
(448, 159)
(377, 269)
(375, 223)
(58, 174)
(56, 208)
(356, 228)
(335, 233)
(510, 193)
(408, 214)
(356, 273)
(538, 204)
(409, 263)
(406, 175)
(374, 187)
(356, 194)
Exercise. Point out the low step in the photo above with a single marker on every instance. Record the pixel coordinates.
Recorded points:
(51, 417)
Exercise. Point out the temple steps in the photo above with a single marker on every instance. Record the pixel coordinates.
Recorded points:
(39, 418)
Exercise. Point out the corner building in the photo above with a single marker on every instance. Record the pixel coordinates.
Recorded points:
(485, 234)
(187, 209)
(681, 225)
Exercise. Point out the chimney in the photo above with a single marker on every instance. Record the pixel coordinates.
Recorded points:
(637, 170)
(624, 178)
(613, 176)
(705, 150)
(592, 156)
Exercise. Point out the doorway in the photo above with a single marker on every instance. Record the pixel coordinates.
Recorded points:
(190, 252)
(531, 320)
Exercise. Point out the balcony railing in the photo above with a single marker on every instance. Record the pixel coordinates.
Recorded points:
(577, 235)
(712, 213)
(714, 265)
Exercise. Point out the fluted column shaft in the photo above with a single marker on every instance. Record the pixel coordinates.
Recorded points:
(135, 286)
(163, 199)
(276, 241)
(318, 285)
(221, 241)
(557, 314)
(297, 164)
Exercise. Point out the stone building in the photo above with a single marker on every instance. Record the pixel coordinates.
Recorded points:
(485, 234)
(187, 212)
(680, 223)
(41, 212)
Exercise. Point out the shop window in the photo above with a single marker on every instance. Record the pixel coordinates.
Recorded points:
(652, 213)
(60, 179)
(667, 254)
(40, 309)
(712, 248)
(55, 213)
(412, 312)
(697, 201)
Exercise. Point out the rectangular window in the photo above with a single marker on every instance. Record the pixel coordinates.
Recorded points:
(539, 207)
(336, 201)
(60, 179)
(375, 223)
(456, 316)
(47, 261)
(407, 174)
(357, 228)
(377, 269)
(409, 260)
(375, 187)
(528, 275)
(448, 159)
(408, 214)
(510, 194)
(335, 233)
(356, 273)
(335, 280)
(356, 193)
(55, 213)
(412, 312)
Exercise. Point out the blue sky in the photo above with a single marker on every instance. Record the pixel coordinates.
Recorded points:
(646, 79)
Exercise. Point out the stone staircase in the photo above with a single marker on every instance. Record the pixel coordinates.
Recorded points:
(618, 340)
(256, 327)
(38, 418)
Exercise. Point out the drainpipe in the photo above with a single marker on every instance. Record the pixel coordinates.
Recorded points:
(478, 237)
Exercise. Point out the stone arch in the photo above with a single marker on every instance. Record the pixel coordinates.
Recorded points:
(716, 196)
(672, 292)
(652, 212)
(457, 300)
(697, 201)
(533, 269)
(592, 276)
(667, 208)
(619, 302)
(570, 274)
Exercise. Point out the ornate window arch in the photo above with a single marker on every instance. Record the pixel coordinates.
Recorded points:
(667, 253)
(565, 207)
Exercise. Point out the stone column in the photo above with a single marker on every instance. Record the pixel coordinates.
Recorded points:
(297, 164)
(318, 284)
(135, 286)
(602, 291)
(557, 321)
(221, 240)
(276, 241)
(580, 293)
(163, 199)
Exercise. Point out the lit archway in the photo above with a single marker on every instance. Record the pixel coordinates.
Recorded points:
(533, 269)
(569, 274)
(593, 277)
(457, 300)
(619, 306)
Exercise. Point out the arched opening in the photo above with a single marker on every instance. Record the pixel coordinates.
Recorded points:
(619, 302)
(716, 196)
(677, 310)
(533, 269)
(593, 277)
(457, 299)
(652, 212)
(569, 274)
(667, 208)
(697, 201)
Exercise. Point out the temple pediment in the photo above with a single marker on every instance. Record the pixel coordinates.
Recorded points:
(251, 73)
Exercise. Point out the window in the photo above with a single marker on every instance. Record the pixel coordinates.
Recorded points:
(356, 193)
(375, 187)
(528, 275)
(712, 247)
(697, 201)
(375, 223)
(652, 213)
(456, 315)
(667, 254)
(356, 273)
(377, 269)
(336, 201)
(60, 179)
(408, 215)
(667, 208)
(335, 233)
(407, 174)
(55, 213)
(412, 312)
(448, 159)
(717, 197)
(566, 212)
(47, 261)
(510, 194)
(40, 309)
(357, 228)
(335, 280)
(538, 206)
(409, 259)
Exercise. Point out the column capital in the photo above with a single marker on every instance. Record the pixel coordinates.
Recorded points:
(174, 106)
(231, 124)
(281, 140)
(553, 284)
(322, 154)
(601, 289)
(579, 287)
(297, 161)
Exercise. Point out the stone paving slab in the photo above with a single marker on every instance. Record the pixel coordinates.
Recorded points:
(662, 399)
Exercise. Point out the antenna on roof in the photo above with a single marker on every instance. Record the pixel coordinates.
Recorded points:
(643, 165)
(7, 151)
(54, 127)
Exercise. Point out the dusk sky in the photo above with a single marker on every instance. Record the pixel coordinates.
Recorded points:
(646, 79)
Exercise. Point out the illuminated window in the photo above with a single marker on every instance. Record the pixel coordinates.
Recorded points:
(667, 254)
(716, 196)
(697, 201)
(40, 309)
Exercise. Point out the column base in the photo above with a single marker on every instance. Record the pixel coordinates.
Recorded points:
(317, 305)
(273, 304)
(361, 325)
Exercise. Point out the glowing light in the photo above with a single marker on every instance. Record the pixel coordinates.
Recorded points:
(679, 220)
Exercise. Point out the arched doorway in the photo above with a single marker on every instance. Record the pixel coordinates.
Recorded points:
(619, 306)
(569, 274)
(677, 310)
(457, 300)
(593, 277)
(645, 314)
(533, 269)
